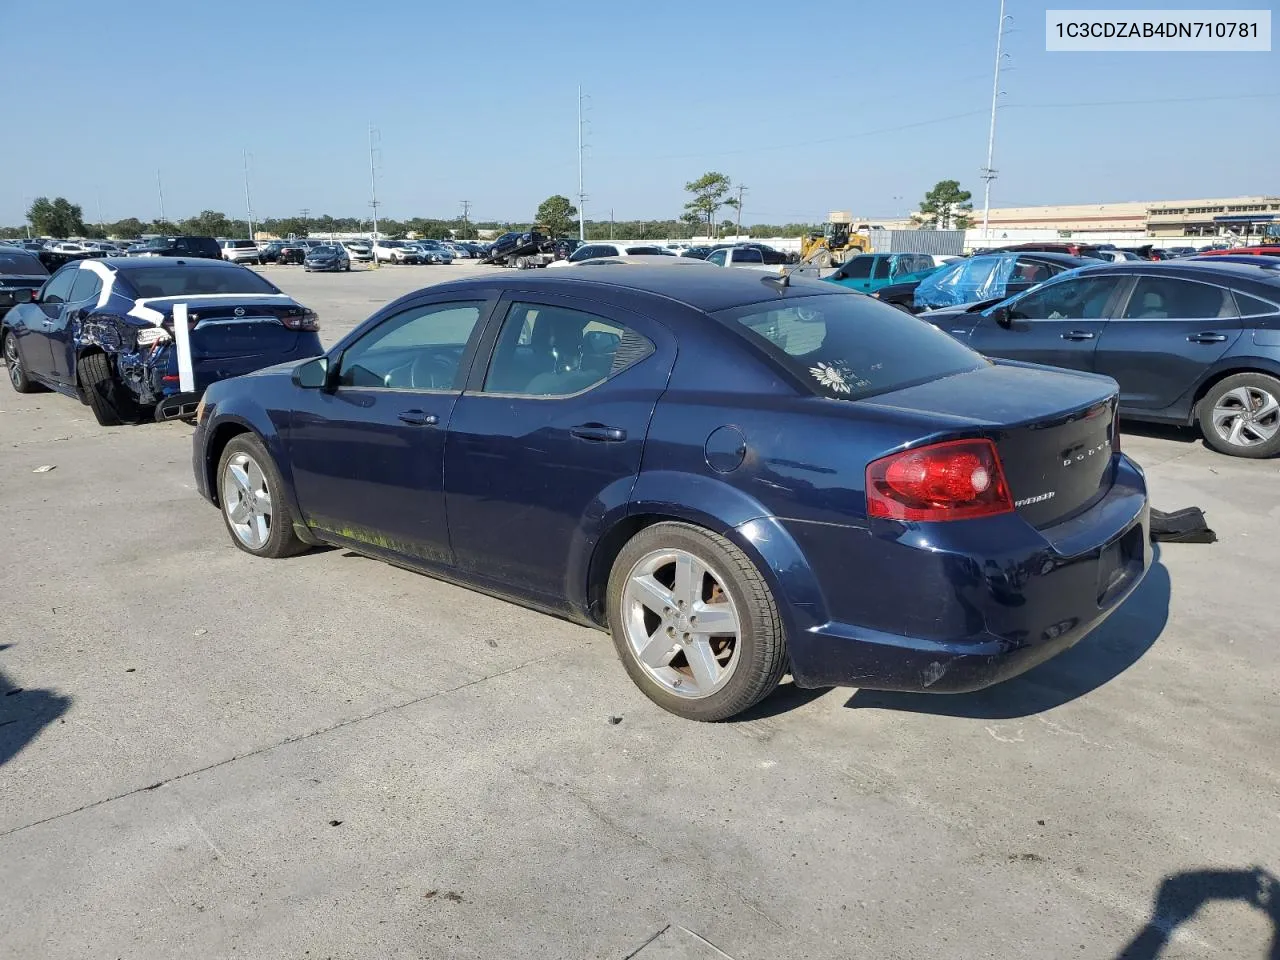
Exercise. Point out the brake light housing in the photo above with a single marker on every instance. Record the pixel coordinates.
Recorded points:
(307, 320)
(953, 480)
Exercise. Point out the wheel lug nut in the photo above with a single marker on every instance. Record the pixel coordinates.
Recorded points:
(686, 637)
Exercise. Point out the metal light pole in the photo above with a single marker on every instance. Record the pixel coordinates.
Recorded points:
(373, 187)
(741, 191)
(248, 204)
(160, 191)
(582, 196)
(988, 173)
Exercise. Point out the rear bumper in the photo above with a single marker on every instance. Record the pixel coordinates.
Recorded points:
(951, 611)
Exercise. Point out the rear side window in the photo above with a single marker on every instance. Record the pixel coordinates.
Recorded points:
(188, 281)
(1253, 307)
(87, 287)
(747, 255)
(849, 347)
(15, 263)
(1160, 298)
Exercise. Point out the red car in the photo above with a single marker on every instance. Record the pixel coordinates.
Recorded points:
(1269, 250)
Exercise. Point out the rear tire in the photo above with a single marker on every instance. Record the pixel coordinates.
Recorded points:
(253, 505)
(724, 671)
(110, 400)
(1240, 416)
(18, 378)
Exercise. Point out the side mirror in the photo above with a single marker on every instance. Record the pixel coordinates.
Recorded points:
(312, 375)
(1000, 315)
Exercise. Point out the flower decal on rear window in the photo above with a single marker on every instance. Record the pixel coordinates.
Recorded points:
(832, 376)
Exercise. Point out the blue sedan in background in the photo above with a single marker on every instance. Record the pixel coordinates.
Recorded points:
(1190, 342)
(102, 331)
(738, 476)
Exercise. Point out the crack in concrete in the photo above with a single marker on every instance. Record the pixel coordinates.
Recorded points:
(298, 738)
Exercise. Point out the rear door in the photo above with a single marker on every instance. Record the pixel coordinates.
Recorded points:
(1167, 333)
(1058, 324)
(549, 436)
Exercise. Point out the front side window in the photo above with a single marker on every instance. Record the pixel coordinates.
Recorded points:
(550, 351)
(58, 288)
(418, 349)
(848, 347)
(859, 268)
(1083, 298)
(1160, 298)
(717, 257)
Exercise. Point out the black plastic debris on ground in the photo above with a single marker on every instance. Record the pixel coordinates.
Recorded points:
(1181, 526)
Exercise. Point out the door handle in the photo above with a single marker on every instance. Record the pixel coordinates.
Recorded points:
(1207, 338)
(598, 432)
(419, 418)
(1077, 335)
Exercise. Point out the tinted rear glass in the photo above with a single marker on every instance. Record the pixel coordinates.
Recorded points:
(186, 281)
(15, 263)
(848, 347)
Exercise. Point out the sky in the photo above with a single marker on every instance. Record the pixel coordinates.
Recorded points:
(858, 106)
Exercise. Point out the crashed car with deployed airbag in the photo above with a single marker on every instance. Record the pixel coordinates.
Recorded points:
(142, 338)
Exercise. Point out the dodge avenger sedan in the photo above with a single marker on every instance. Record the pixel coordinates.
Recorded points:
(737, 476)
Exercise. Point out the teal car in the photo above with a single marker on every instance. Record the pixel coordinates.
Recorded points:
(868, 272)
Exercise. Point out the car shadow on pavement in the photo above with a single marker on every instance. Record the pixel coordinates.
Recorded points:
(1182, 894)
(1097, 659)
(1174, 433)
(24, 713)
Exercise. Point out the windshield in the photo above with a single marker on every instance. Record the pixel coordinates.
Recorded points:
(848, 347)
(325, 251)
(15, 263)
(180, 280)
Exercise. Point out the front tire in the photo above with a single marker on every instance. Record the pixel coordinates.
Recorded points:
(695, 623)
(251, 493)
(110, 401)
(18, 378)
(1240, 416)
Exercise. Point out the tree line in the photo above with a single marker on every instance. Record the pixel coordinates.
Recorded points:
(945, 206)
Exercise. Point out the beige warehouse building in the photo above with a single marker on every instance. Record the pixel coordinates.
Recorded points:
(1222, 216)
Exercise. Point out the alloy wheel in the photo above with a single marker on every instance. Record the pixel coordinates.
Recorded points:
(1246, 416)
(12, 361)
(247, 501)
(681, 623)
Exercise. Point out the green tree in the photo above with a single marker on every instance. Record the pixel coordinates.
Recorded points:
(945, 207)
(709, 192)
(209, 223)
(128, 229)
(556, 214)
(55, 218)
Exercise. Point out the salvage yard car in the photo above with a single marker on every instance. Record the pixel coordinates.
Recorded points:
(811, 483)
(102, 331)
(330, 257)
(1191, 342)
(21, 273)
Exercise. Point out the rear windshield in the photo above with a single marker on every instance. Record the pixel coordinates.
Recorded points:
(15, 263)
(848, 346)
(186, 281)
(327, 250)
(240, 244)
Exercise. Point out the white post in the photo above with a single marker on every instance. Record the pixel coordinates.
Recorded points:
(989, 174)
(582, 197)
(248, 204)
(182, 339)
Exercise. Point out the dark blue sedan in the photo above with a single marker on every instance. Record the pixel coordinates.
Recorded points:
(103, 331)
(1191, 342)
(735, 476)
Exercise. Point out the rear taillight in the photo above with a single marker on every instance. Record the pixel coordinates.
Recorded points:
(956, 480)
(1115, 431)
(307, 320)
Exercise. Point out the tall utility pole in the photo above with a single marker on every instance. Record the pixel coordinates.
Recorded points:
(101, 226)
(373, 185)
(988, 172)
(248, 204)
(582, 196)
(160, 191)
(466, 208)
(304, 211)
(741, 191)
(611, 223)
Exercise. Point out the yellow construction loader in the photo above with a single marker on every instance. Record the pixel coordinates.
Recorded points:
(835, 243)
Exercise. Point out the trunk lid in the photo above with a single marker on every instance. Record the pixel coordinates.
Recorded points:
(1053, 430)
(219, 332)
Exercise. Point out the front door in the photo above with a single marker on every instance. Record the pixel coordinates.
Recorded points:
(44, 332)
(1057, 324)
(549, 437)
(80, 302)
(1168, 333)
(368, 455)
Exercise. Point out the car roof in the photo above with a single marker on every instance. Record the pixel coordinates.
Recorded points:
(709, 290)
(155, 263)
(1207, 269)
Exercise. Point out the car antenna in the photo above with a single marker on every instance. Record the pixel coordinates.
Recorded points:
(780, 282)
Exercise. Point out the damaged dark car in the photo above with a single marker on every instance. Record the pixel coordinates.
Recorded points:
(103, 331)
